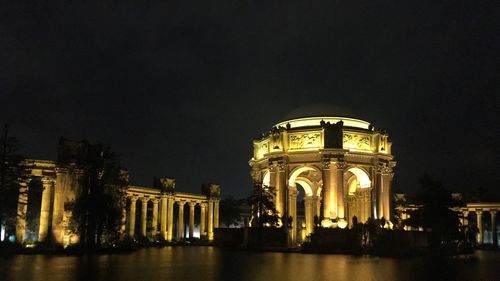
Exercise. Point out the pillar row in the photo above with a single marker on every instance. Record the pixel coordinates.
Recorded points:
(154, 218)
(45, 210)
(192, 205)
(210, 231)
(203, 220)
(479, 218)
(170, 219)
(144, 215)
(163, 220)
(180, 221)
(131, 227)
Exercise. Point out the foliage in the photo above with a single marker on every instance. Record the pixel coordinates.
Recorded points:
(436, 215)
(229, 211)
(11, 171)
(264, 211)
(98, 207)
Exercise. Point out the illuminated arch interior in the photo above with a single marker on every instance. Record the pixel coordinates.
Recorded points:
(266, 181)
(362, 178)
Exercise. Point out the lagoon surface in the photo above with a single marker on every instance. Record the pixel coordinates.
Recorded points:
(209, 263)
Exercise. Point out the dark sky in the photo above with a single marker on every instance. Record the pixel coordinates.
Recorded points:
(180, 88)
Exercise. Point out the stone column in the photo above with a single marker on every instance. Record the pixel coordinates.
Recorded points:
(309, 214)
(203, 220)
(480, 235)
(210, 231)
(292, 212)
(170, 218)
(58, 207)
(494, 235)
(380, 195)
(339, 183)
(123, 222)
(163, 222)
(272, 182)
(191, 219)
(131, 226)
(144, 215)
(387, 196)
(154, 218)
(22, 208)
(43, 230)
(329, 191)
(465, 220)
(281, 187)
(216, 213)
(180, 225)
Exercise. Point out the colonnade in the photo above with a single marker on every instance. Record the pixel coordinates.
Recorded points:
(163, 215)
(479, 209)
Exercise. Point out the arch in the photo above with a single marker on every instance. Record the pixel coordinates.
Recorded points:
(266, 180)
(306, 185)
(299, 170)
(361, 176)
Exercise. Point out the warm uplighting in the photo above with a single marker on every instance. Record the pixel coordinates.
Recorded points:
(315, 121)
(342, 223)
(326, 223)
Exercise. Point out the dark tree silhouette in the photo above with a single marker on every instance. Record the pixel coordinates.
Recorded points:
(229, 211)
(98, 206)
(436, 215)
(11, 171)
(263, 207)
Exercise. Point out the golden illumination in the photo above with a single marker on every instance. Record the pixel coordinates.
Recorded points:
(341, 171)
(315, 121)
(342, 223)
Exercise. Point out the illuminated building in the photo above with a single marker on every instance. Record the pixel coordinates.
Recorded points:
(150, 209)
(342, 167)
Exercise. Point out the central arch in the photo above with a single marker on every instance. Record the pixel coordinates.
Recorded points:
(308, 179)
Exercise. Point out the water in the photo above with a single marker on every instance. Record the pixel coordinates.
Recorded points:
(208, 263)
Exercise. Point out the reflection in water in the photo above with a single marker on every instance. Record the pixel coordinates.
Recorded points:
(208, 263)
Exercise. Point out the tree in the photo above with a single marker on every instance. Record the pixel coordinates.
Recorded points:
(436, 215)
(264, 211)
(10, 173)
(229, 211)
(97, 208)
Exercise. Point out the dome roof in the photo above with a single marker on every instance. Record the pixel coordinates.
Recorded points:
(319, 109)
(313, 114)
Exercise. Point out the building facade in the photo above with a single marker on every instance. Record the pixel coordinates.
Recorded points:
(157, 211)
(338, 167)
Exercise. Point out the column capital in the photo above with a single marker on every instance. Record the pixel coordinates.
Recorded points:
(192, 204)
(133, 198)
(478, 212)
(181, 203)
(326, 163)
(61, 170)
(282, 166)
(384, 169)
(144, 199)
(47, 181)
(493, 212)
(155, 200)
(340, 165)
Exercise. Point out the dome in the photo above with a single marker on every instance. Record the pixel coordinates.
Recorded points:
(312, 115)
(319, 109)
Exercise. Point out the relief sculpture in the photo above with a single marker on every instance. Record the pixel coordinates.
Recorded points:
(305, 141)
(360, 142)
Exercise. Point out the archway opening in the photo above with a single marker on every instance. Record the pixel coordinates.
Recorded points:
(358, 189)
(304, 184)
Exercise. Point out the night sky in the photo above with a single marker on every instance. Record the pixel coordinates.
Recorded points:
(181, 89)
